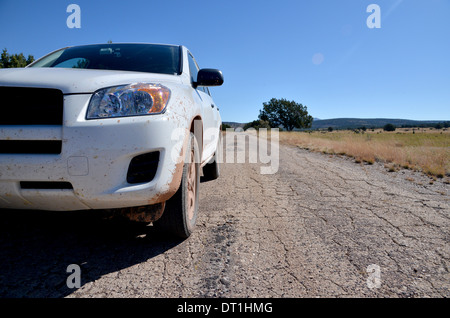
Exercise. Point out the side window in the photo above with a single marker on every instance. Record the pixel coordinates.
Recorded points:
(193, 68)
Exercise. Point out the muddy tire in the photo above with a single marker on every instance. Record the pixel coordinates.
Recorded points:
(180, 214)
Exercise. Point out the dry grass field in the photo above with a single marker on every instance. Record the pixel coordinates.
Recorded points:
(422, 149)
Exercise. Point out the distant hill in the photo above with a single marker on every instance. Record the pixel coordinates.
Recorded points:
(233, 124)
(343, 123)
(352, 123)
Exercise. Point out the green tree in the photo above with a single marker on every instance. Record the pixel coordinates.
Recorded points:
(15, 60)
(4, 61)
(389, 127)
(289, 114)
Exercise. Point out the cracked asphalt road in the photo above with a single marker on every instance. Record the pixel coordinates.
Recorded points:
(310, 230)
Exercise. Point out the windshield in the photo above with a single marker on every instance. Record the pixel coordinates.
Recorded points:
(150, 58)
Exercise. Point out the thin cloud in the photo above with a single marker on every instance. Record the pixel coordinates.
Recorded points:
(392, 9)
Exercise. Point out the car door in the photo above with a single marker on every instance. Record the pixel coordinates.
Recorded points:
(214, 131)
(209, 112)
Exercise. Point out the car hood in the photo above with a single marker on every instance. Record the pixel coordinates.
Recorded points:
(71, 81)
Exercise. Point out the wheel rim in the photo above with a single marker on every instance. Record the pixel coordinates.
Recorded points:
(192, 186)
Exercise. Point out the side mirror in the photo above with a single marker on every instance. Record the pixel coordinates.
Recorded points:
(209, 77)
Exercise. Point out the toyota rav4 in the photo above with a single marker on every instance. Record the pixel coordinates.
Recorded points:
(122, 127)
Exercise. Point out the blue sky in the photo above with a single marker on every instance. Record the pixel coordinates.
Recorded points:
(320, 53)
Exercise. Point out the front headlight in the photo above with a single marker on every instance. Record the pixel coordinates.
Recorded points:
(128, 100)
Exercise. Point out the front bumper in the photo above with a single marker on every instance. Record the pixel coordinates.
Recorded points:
(94, 159)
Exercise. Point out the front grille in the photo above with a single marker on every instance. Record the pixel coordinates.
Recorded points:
(31, 106)
(143, 168)
(50, 147)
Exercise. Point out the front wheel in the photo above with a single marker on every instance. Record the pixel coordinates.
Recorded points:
(181, 210)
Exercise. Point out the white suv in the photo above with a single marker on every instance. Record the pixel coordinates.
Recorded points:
(110, 126)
